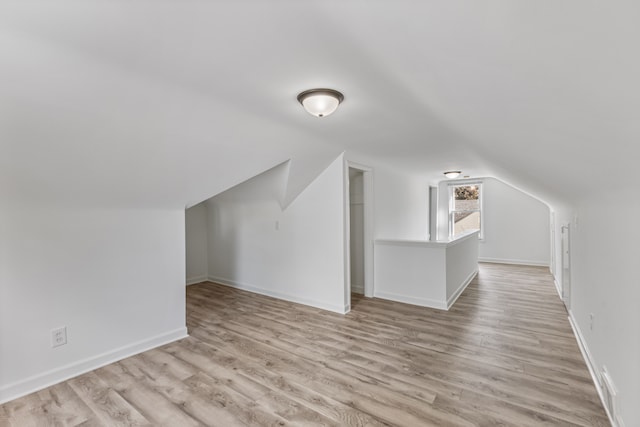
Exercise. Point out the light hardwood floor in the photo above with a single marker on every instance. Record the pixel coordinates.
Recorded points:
(503, 355)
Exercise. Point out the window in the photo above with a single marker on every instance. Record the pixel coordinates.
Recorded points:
(465, 208)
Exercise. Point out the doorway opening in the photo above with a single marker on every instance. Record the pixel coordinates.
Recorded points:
(356, 230)
(433, 213)
(359, 232)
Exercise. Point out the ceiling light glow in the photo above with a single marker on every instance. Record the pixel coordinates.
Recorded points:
(320, 102)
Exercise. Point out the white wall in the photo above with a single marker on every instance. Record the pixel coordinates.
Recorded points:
(400, 200)
(295, 254)
(241, 225)
(604, 255)
(196, 243)
(462, 266)
(411, 272)
(516, 225)
(426, 273)
(401, 205)
(114, 278)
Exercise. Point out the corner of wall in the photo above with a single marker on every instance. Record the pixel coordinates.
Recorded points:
(295, 253)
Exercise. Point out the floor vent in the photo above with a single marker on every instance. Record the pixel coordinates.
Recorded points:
(608, 394)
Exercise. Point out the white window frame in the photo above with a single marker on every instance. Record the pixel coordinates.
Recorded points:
(452, 211)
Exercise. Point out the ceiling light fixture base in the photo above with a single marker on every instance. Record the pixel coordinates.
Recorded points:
(320, 102)
(452, 174)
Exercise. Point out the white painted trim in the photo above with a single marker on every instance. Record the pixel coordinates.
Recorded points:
(413, 243)
(346, 227)
(464, 181)
(452, 299)
(514, 261)
(196, 279)
(359, 166)
(591, 365)
(292, 298)
(430, 243)
(423, 302)
(40, 381)
(433, 212)
(368, 211)
(586, 354)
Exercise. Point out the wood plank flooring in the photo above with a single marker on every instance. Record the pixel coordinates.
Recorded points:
(503, 355)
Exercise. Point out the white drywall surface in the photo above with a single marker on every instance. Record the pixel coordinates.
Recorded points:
(401, 205)
(604, 257)
(296, 253)
(427, 273)
(462, 264)
(411, 273)
(516, 225)
(196, 243)
(113, 277)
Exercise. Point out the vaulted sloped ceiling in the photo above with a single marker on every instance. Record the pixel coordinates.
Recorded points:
(166, 103)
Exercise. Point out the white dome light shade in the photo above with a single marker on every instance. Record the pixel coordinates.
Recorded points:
(320, 102)
(452, 174)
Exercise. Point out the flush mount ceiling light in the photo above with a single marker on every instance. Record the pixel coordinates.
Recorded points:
(320, 102)
(452, 174)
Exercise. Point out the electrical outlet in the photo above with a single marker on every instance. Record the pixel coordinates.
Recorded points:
(59, 337)
(591, 316)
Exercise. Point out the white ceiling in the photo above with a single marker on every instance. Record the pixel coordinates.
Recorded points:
(166, 103)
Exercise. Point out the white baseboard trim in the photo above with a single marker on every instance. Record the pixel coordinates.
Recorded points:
(586, 354)
(267, 292)
(359, 289)
(40, 381)
(514, 261)
(460, 289)
(423, 302)
(591, 365)
(196, 279)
